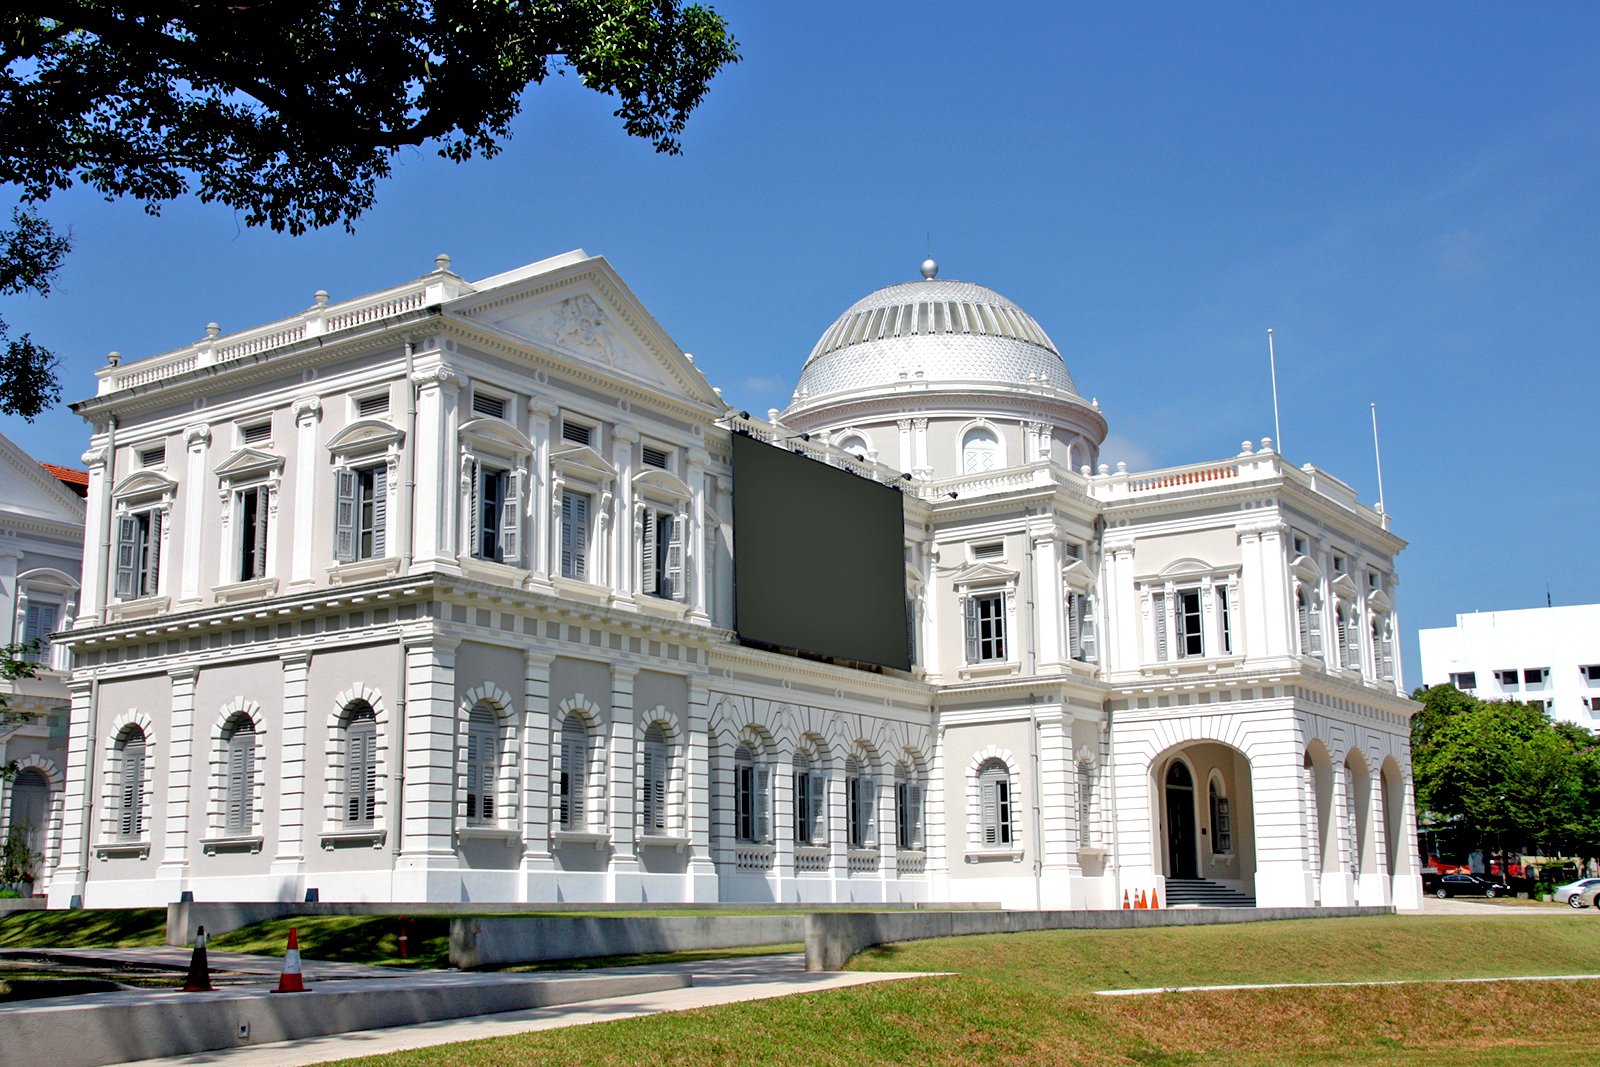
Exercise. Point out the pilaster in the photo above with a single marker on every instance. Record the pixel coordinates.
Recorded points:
(96, 537)
(307, 412)
(196, 442)
(694, 538)
(1050, 606)
(427, 795)
(180, 775)
(537, 788)
(77, 818)
(541, 423)
(702, 876)
(290, 858)
(621, 752)
(436, 500)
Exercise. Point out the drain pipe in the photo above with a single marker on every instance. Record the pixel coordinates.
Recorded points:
(408, 486)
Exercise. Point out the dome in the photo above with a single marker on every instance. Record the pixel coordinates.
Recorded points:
(935, 330)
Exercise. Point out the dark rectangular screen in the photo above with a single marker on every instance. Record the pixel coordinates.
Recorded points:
(818, 558)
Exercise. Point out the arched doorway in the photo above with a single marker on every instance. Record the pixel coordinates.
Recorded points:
(29, 816)
(1181, 837)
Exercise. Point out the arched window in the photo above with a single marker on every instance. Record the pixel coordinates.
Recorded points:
(980, 451)
(30, 809)
(1349, 637)
(1221, 820)
(907, 808)
(483, 761)
(854, 444)
(752, 786)
(1310, 623)
(360, 764)
(130, 807)
(573, 784)
(656, 772)
(994, 804)
(810, 802)
(239, 746)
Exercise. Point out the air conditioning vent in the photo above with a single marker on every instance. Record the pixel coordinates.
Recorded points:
(376, 404)
(492, 406)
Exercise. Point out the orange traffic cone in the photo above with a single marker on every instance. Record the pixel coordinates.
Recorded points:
(1125, 904)
(199, 977)
(1155, 901)
(290, 981)
(1138, 902)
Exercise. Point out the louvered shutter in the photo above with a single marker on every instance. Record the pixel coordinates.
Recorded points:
(914, 803)
(574, 535)
(1158, 611)
(127, 549)
(1315, 614)
(675, 557)
(132, 813)
(869, 805)
(655, 780)
(380, 511)
(474, 502)
(1074, 615)
(744, 802)
(1387, 645)
(483, 757)
(1087, 640)
(260, 534)
(989, 813)
(37, 628)
(344, 514)
(240, 784)
(361, 772)
(1003, 805)
(574, 774)
(970, 620)
(852, 799)
(474, 782)
(763, 807)
(649, 583)
(1303, 619)
(152, 571)
(819, 808)
(511, 520)
(1352, 635)
(802, 807)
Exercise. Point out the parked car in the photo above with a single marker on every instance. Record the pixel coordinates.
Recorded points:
(1463, 885)
(1585, 898)
(1569, 893)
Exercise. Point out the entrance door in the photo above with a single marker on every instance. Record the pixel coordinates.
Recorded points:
(1181, 861)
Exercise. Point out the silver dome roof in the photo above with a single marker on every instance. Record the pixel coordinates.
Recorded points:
(934, 330)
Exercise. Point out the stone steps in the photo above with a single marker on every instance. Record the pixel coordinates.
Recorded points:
(1206, 894)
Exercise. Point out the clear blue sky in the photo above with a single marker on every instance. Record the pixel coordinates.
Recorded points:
(1407, 194)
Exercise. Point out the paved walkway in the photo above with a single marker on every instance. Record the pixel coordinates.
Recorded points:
(715, 982)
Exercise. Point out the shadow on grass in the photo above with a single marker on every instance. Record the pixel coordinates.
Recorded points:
(99, 928)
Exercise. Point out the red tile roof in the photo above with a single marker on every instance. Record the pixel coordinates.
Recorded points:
(77, 481)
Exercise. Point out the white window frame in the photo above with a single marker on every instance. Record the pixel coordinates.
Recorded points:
(492, 448)
(810, 799)
(1081, 610)
(995, 814)
(238, 782)
(573, 780)
(752, 795)
(974, 460)
(1193, 611)
(986, 607)
(366, 459)
(861, 803)
(143, 532)
(909, 809)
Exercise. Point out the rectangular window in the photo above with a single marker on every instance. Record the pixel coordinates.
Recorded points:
(1081, 639)
(490, 495)
(661, 555)
(1302, 546)
(655, 457)
(575, 535)
(371, 406)
(1507, 680)
(138, 554)
(37, 628)
(1340, 565)
(810, 806)
(861, 794)
(1534, 678)
(752, 789)
(1224, 620)
(1191, 636)
(361, 515)
(986, 628)
(250, 505)
(908, 814)
(1465, 680)
(258, 433)
(1591, 673)
(576, 433)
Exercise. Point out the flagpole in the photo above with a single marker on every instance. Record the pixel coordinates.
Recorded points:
(1377, 455)
(1272, 357)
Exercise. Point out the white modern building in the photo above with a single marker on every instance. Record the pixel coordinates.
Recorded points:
(1549, 657)
(427, 596)
(41, 545)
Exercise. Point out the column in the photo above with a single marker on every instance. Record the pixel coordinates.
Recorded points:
(433, 453)
(307, 412)
(537, 789)
(425, 801)
(1119, 610)
(77, 820)
(545, 508)
(1338, 888)
(196, 440)
(623, 579)
(180, 778)
(908, 460)
(96, 537)
(292, 829)
(920, 445)
(1050, 609)
(1057, 810)
(694, 538)
(621, 793)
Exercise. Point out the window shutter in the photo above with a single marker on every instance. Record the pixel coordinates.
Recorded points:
(152, 574)
(1387, 644)
(474, 785)
(40, 623)
(260, 534)
(344, 530)
(380, 511)
(574, 535)
(1003, 798)
(1225, 619)
(1087, 641)
(1158, 611)
(510, 520)
(674, 557)
(763, 793)
(1303, 618)
(474, 504)
(970, 613)
(914, 802)
(648, 578)
(1074, 614)
(241, 758)
(989, 814)
(1315, 613)
(574, 773)
(802, 808)
(869, 806)
(127, 555)
(132, 813)
(744, 802)
(819, 808)
(361, 771)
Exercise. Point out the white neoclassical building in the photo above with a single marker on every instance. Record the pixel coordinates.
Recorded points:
(427, 596)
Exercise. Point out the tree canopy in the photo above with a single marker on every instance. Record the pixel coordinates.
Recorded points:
(291, 113)
(1502, 774)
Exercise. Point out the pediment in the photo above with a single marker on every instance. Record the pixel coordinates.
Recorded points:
(249, 462)
(28, 489)
(366, 434)
(1379, 601)
(144, 483)
(1345, 586)
(1189, 565)
(663, 483)
(1077, 574)
(47, 579)
(583, 460)
(1305, 569)
(494, 432)
(582, 311)
(979, 573)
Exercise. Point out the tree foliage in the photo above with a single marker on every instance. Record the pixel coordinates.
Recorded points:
(291, 113)
(16, 663)
(1504, 774)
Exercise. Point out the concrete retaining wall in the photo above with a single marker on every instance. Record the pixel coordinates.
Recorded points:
(832, 939)
(23, 904)
(118, 1027)
(494, 942)
(218, 917)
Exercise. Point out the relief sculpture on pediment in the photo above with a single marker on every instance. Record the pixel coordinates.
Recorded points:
(578, 325)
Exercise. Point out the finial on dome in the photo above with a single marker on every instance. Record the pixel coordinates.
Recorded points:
(930, 269)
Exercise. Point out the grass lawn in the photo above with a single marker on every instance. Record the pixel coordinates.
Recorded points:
(98, 928)
(1029, 998)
